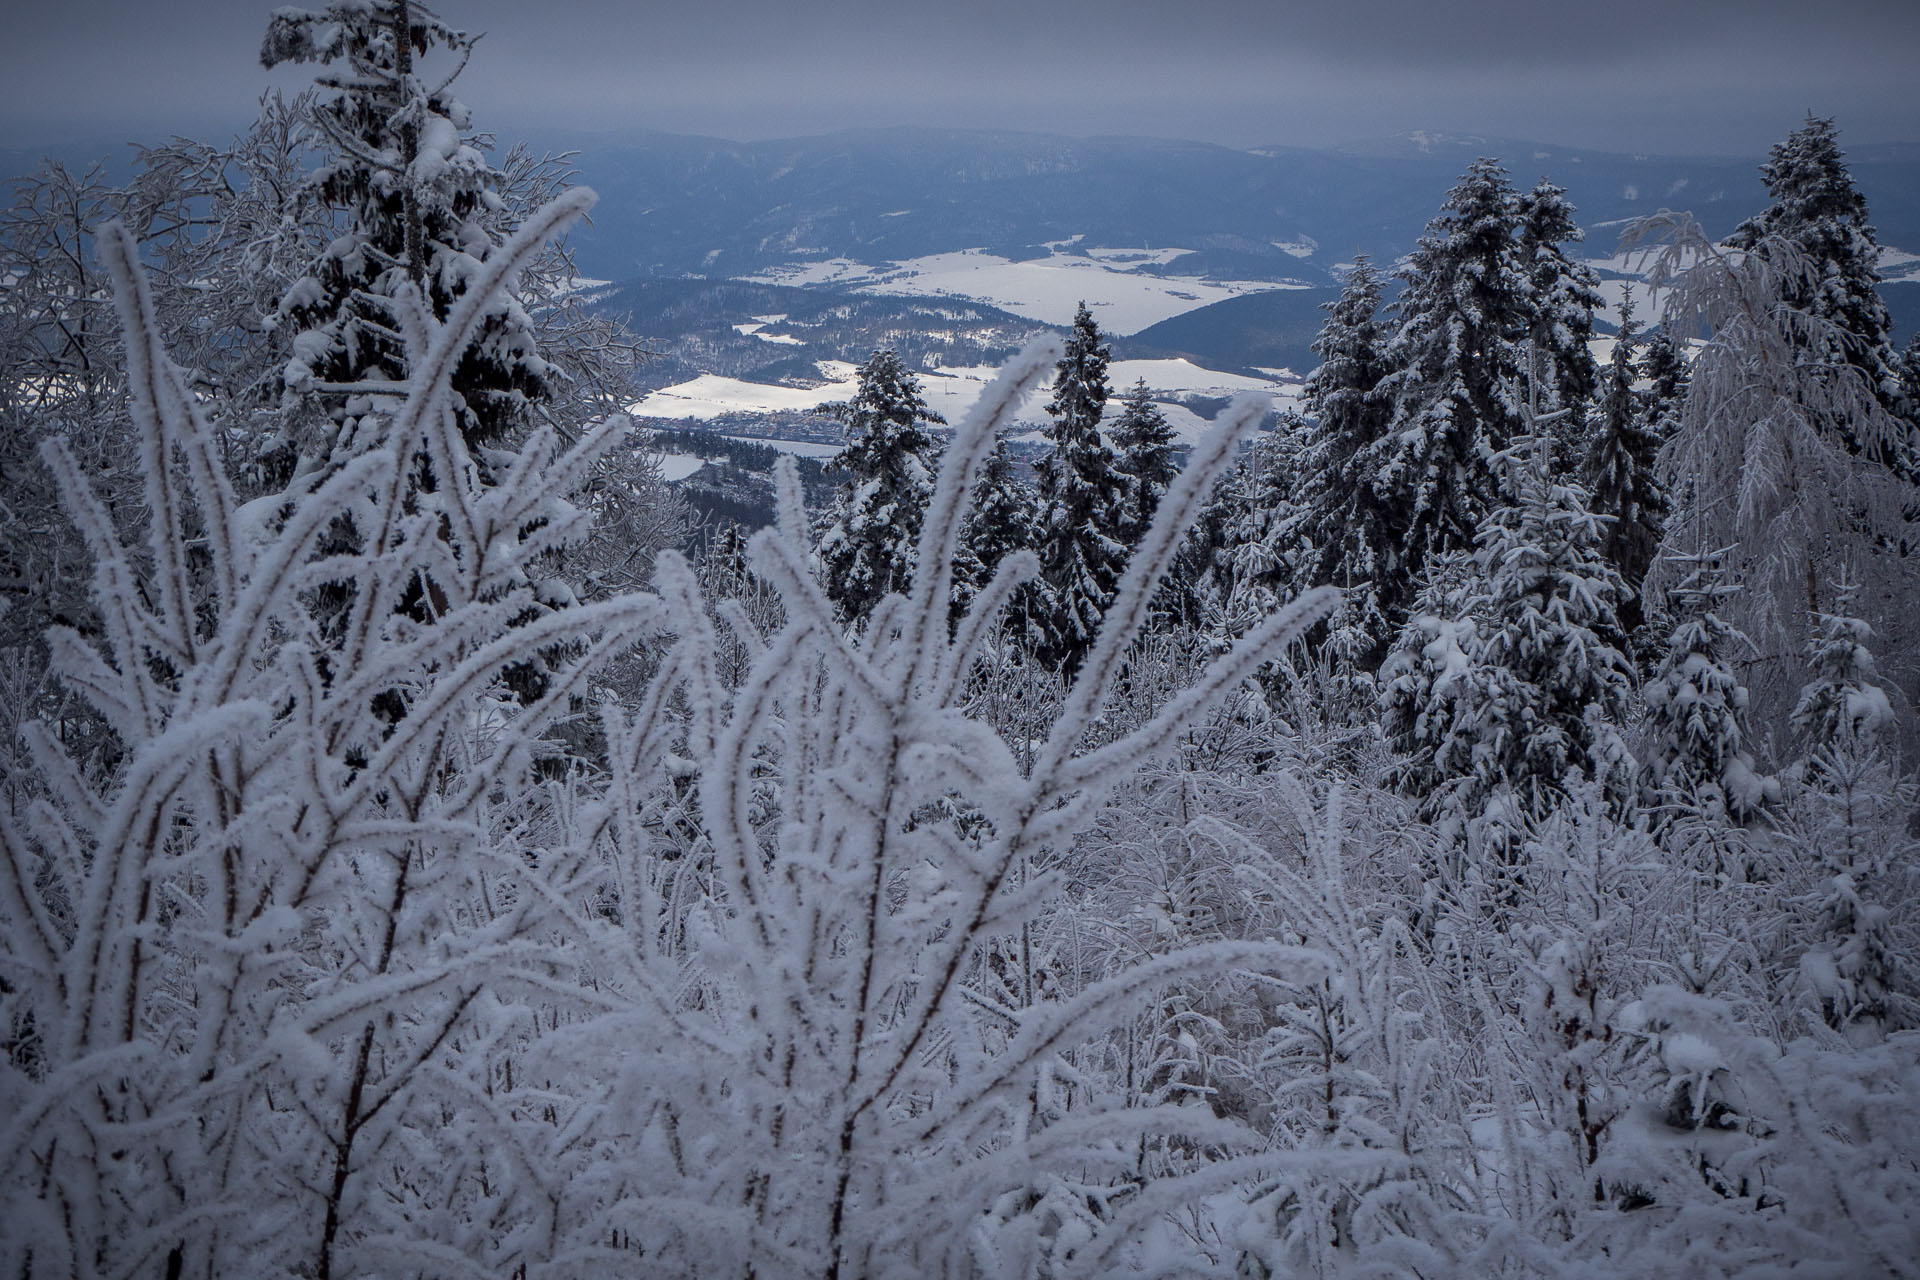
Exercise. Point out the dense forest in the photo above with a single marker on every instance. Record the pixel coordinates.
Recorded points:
(1467, 829)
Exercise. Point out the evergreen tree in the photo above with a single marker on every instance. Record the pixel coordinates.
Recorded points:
(1082, 494)
(1257, 535)
(1350, 536)
(1850, 820)
(1666, 372)
(999, 523)
(1456, 362)
(1143, 439)
(873, 529)
(421, 208)
(1696, 757)
(1844, 705)
(1564, 296)
(1149, 460)
(1620, 472)
(1543, 685)
(1819, 214)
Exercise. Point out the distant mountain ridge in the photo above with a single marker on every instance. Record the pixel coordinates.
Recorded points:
(681, 205)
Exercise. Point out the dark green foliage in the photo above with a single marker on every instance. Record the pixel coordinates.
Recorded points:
(1351, 535)
(1082, 494)
(1457, 369)
(869, 546)
(1819, 214)
(420, 206)
(1621, 474)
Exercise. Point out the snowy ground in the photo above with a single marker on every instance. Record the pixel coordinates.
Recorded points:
(951, 392)
(678, 466)
(1045, 289)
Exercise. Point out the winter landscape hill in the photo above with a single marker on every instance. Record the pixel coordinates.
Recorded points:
(1179, 248)
(1069, 817)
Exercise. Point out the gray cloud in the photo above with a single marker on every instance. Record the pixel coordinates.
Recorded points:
(1643, 73)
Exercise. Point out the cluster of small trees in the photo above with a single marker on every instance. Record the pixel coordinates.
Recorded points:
(1097, 492)
(1611, 637)
(1297, 862)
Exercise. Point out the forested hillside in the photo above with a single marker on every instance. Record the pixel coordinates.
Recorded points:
(1464, 825)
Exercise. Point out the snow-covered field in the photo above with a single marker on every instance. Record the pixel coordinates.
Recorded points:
(1045, 289)
(678, 466)
(950, 393)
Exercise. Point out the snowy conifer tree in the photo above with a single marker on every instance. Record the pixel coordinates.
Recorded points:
(1259, 518)
(867, 547)
(1696, 759)
(1143, 441)
(1564, 296)
(1819, 214)
(1083, 495)
(999, 523)
(1843, 706)
(1353, 540)
(1455, 356)
(1849, 822)
(1544, 688)
(421, 207)
(1621, 473)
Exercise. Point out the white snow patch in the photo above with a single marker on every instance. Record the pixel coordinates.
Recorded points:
(710, 396)
(678, 466)
(1043, 289)
(951, 393)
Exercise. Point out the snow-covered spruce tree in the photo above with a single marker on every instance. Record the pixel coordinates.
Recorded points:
(810, 1082)
(1355, 542)
(1466, 305)
(1564, 296)
(1844, 704)
(1082, 495)
(1848, 819)
(866, 548)
(271, 968)
(421, 207)
(1144, 444)
(1622, 476)
(1256, 558)
(1695, 761)
(1000, 521)
(1822, 216)
(1761, 465)
(1544, 686)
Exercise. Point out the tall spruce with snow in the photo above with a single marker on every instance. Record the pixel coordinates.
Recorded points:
(1350, 533)
(1083, 494)
(1544, 689)
(1844, 705)
(1621, 473)
(1849, 820)
(1456, 360)
(1696, 759)
(1776, 457)
(1564, 296)
(420, 206)
(1143, 440)
(867, 548)
(1818, 213)
(1257, 558)
(1000, 522)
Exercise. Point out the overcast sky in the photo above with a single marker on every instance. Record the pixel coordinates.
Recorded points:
(1633, 75)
